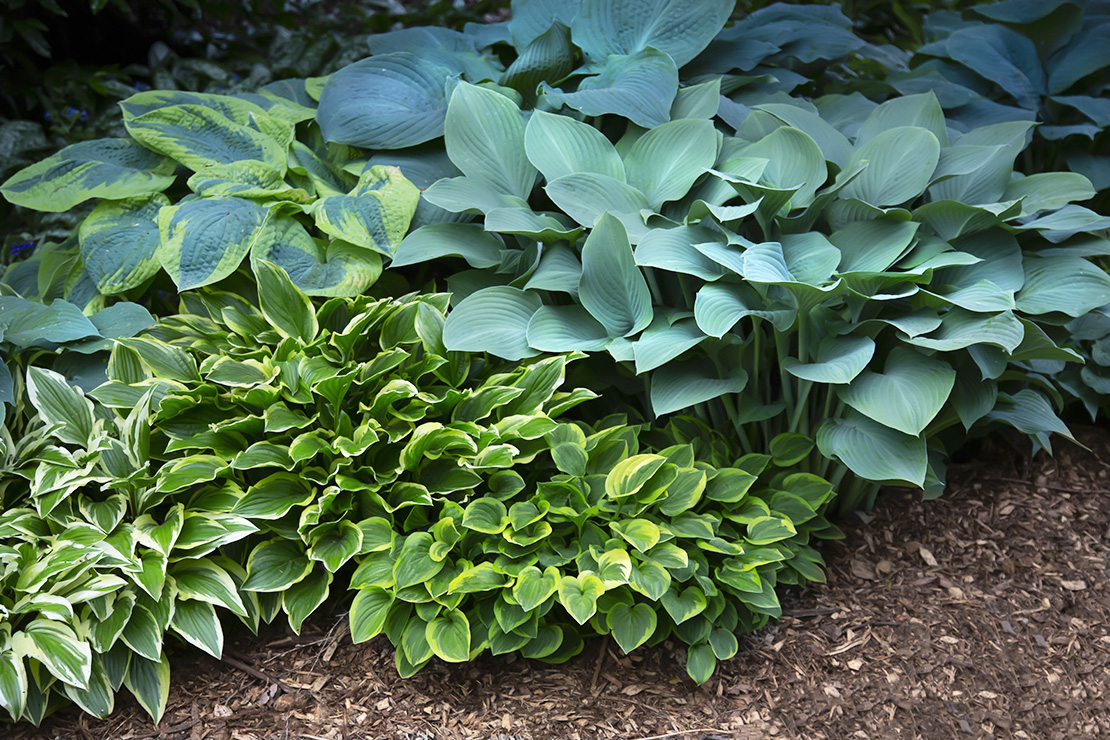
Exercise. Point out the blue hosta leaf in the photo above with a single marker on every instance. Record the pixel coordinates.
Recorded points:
(678, 386)
(559, 270)
(951, 219)
(560, 145)
(1048, 191)
(662, 341)
(962, 159)
(679, 28)
(674, 250)
(834, 145)
(104, 168)
(119, 240)
(389, 101)
(1030, 413)
(493, 320)
(465, 194)
(478, 247)
(795, 162)
(204, 240)
(987, 183)
(612, 288)
(198, 136)
(340, 269)
(664, 163)
(1067, 222)
(565, 329)
(1002, 56)
(811, 258)
(1070, 285)
(641, 87)
(873, 246)
(960, 328)
(544, 227)
(375, 215)
(839, 360)
(1085, 54)
(922, 110)
(901, 162)
(550, 56)
(585, 197)
(907, 395)
(484, 134)
(1097, 109)
(531, 18)
(873, 451)
(719, 306)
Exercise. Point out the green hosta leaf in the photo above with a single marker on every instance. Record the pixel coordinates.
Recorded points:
(119, 240)
(198, 136)
(724, 643)
(203, 241)
(113, 169)
(479, 248)
(203, 580)
(197, 623)
(484, 135)
(664, 163)
(1070, 285)
(375, 215)
(533, 587)
(149, 681)
(612, 288)
(56, 646)
(767, 529)
(677, 386)
(640, 533)
(335, 544)
(631, 625)
(492, 320)
(414, 563)
(650, 579)
(900, 161)
(61, 405)
(304, 597)
(286, 308)
(701, 662)
(369, 612)
(481, 577)
(487, 515)
(788, 449)
(276, 565)
(579, 595)
(678, 28)
(245, 179)
(907, 395)
(874, 451)
(143, 633)
(839, 360)
(686, 605)
(640, 86)
(388, 101)
(560, 145)
(629, 475)
(449, 636)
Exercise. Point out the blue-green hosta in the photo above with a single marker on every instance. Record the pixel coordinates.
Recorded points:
(243, 458)
(259, 182)
(867, 280)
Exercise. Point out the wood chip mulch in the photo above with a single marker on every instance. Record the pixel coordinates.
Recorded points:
(985, 614)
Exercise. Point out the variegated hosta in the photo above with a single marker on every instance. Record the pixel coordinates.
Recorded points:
(260, 182)
(866, 282)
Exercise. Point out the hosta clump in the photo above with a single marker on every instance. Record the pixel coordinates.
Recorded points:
(204, 181)
(839, 285)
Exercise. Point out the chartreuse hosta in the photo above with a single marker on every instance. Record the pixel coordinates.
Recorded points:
(204, 182)
(249, 459)
(848, 301)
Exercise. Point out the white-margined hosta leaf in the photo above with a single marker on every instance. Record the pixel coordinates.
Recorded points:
(58, 648)
(149, 682)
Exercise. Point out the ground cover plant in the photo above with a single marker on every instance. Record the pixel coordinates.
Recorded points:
(315, 333)
(243, 458)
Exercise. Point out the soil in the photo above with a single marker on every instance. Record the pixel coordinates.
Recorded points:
(985, 614)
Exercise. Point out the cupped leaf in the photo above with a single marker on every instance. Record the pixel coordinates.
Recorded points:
(907, 395)
(640, 87)
(389, 101)
(560, 145)
(678, 28)
(375, 215)
(449, 636)
(492, 320)
(612, 288)
(900, 164)
(664, 163)
(874, 451)
(631, 626)
(484, 134)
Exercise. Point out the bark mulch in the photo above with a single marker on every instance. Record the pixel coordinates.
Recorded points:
(984, 614)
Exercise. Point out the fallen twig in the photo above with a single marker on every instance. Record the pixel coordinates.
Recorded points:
(1049, 486)
(682, 732)
(258, 674)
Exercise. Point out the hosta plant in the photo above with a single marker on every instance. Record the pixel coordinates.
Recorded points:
(850, 288)
(204, 181)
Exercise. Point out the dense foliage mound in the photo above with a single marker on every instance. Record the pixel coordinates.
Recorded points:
(240, 381)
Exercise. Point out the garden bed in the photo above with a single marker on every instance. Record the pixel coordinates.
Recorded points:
(983, 615)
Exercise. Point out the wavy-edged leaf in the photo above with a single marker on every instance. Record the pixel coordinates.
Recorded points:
(375, 215)
(204, 240)
(678, 28)
(640, 87)
(873, 451)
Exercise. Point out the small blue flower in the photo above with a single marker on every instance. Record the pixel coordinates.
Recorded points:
(234, 78)
(84, 115)
(46, 116)
(18, 249)
(71, 111)
(141, 86)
